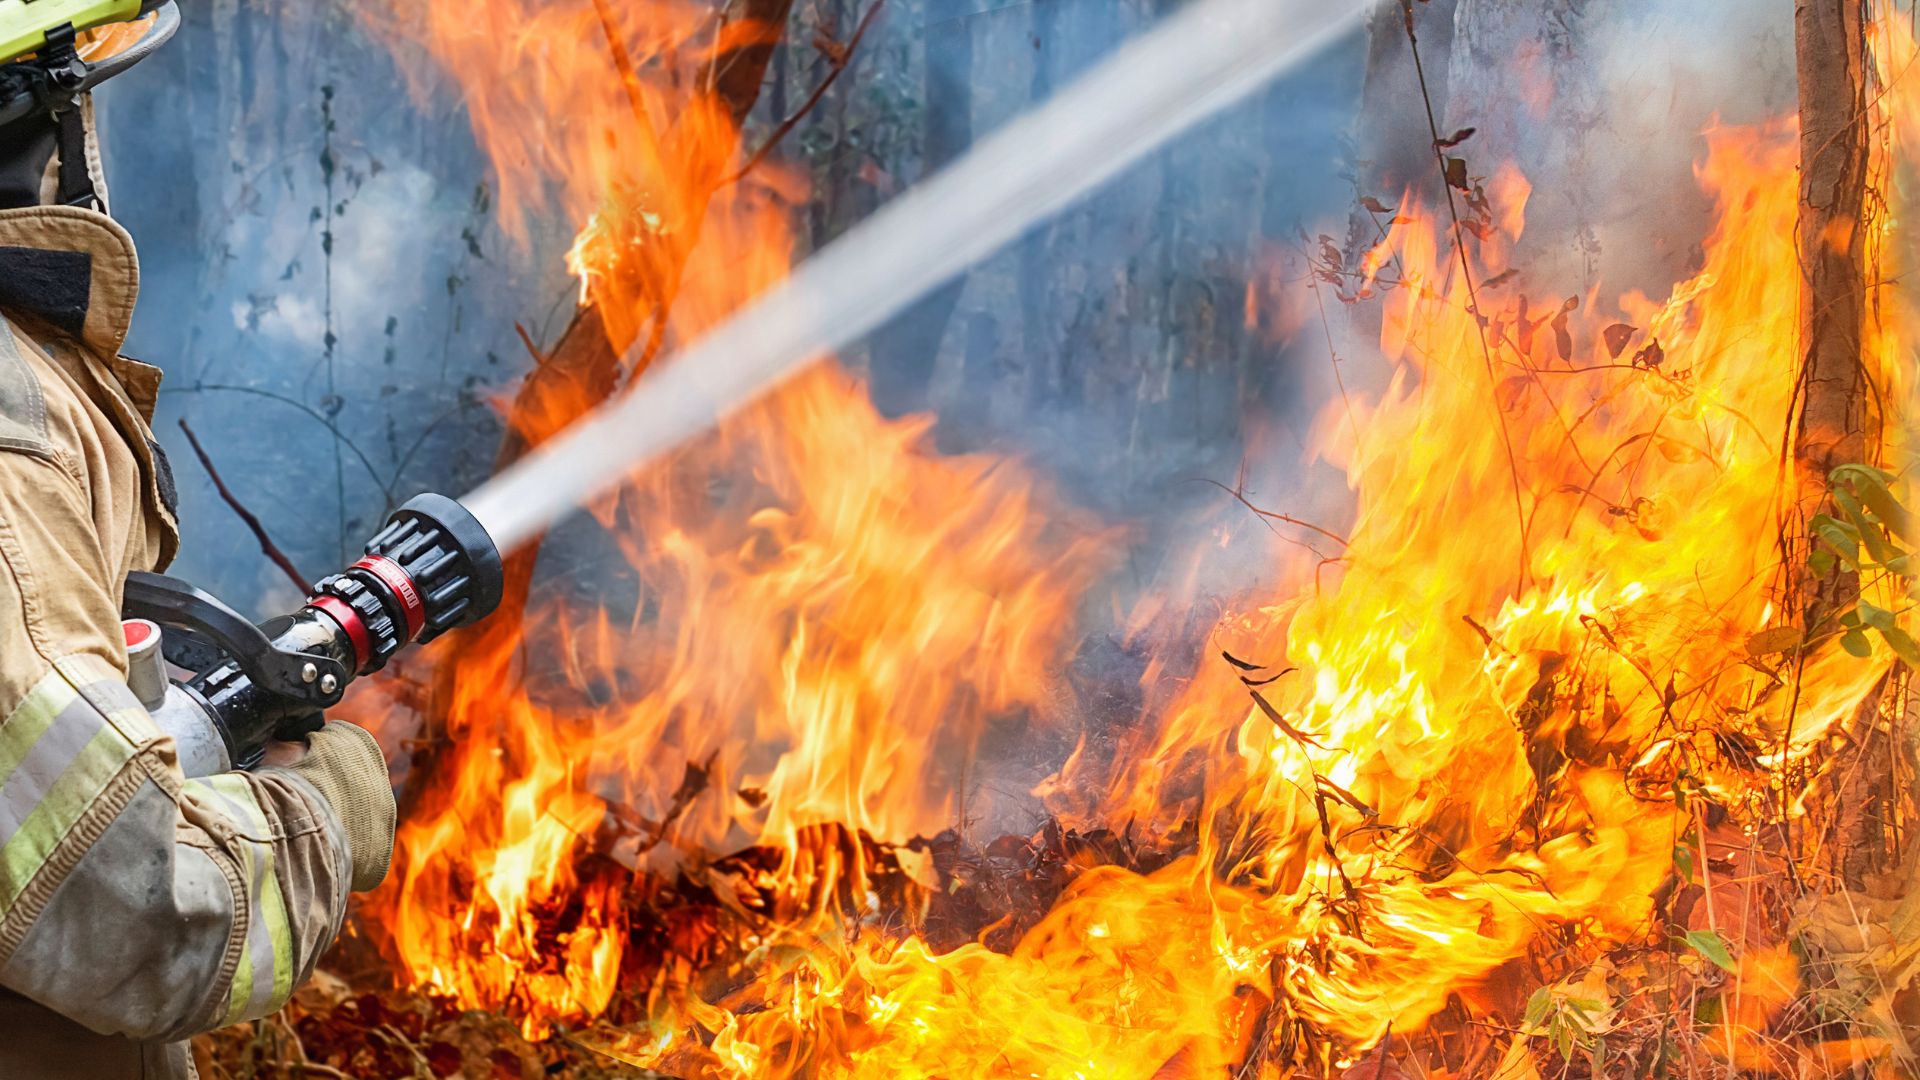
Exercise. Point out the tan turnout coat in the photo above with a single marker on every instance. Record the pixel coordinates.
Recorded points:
(137, 908)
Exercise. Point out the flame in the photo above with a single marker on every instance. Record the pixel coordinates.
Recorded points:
(1480, 720)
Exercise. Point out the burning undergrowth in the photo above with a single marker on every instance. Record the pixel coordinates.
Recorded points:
(1500, 767)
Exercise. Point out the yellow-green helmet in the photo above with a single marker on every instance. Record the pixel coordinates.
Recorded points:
(55, 48)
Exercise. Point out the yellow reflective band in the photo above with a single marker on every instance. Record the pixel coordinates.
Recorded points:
(263, 980)
(31, 718)
(77, 789)
(106, 688)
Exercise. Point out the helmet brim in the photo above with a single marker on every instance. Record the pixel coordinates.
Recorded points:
(165, 23)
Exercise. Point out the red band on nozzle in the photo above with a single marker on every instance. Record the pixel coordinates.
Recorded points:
(396, 578)
(339, 611)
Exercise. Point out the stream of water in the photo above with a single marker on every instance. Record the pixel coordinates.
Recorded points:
(1210, 55)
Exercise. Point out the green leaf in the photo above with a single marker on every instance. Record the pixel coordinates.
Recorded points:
(1865, 527)
(1856, 644)
(1683, 862)
(1537, 1006)
(1876, 616)
(1902, 644)
(1857, 475)
(1821, 562)
(1894, 516)
(1712, 946)
(1839, 536)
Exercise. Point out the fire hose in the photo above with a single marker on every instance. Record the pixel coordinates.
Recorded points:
(224, 688)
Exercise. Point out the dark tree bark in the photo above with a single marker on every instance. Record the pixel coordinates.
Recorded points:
(1837, 423)
(1835, 405)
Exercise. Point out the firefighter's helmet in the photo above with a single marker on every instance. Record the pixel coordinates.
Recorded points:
(52, 54)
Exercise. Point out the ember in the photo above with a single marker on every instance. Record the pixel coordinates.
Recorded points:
(1520, 758)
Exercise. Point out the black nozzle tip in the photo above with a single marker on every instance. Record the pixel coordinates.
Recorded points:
(464, 532)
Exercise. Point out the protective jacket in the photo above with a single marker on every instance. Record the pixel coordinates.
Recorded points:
(137, 908)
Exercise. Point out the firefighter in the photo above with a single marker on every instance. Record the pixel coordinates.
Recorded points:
(137, 908)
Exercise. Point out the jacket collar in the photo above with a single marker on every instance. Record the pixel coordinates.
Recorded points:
(72, 269)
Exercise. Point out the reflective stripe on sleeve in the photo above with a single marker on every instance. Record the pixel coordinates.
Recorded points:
(56, 758)
(263, 981)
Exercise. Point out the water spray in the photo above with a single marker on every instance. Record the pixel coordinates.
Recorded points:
(1196, 63)
(224, 687)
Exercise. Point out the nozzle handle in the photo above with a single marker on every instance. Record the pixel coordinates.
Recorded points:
(176, 605)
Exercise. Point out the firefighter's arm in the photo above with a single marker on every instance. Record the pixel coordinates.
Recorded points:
(132, 900)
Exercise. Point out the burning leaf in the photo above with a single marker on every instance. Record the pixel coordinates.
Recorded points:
(1777, 639)
(1456, 172)
(1650, 356)
(1499, 279)
(1617, 336)
(1375, 206)
(917, 864)
(1280, 722)
(1349, 798)
(1455, 139)
(1239, 663)
(1517, 1062)
(1378, 1065)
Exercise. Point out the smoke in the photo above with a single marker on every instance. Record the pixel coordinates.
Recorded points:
(1602, 105)
(1153, 342)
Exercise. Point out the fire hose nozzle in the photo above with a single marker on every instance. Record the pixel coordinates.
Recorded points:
(430, 569)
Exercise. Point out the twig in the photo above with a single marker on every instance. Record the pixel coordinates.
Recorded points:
(365, 462)
(1239, 496)
(630, 81)
(840, 64)
(526, 339)
(267, 547)
(1473, 298)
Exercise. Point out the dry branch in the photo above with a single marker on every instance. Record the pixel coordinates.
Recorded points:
(271, 550)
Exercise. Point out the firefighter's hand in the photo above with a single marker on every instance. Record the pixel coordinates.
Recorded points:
(345, 765)
(280, 753)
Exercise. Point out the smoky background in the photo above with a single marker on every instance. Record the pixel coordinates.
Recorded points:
(338, 311)
(334, 304)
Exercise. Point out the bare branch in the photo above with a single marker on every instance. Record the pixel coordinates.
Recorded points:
(268, 548)
(841, 61)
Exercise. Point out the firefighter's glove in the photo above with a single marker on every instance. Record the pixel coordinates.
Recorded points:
(345, 765)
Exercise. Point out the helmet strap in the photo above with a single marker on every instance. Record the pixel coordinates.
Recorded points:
(76, 178)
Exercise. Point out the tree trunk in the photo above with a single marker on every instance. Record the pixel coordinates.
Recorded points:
(907, 349)
(1036, 248)
(1831, 52)
(1836, 422)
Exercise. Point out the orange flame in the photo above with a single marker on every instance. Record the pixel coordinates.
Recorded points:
(1516, 671)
